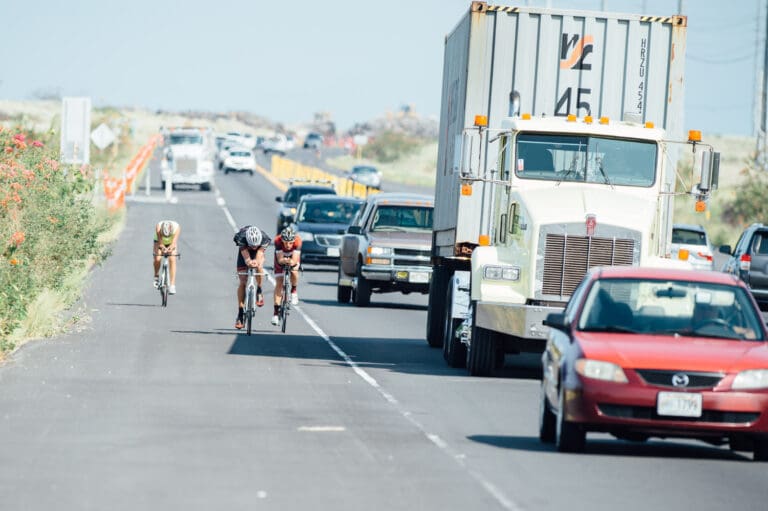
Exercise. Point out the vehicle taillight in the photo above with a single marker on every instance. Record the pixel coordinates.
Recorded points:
(745, 262)
(705, 256)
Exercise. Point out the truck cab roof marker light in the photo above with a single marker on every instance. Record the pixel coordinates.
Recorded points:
(588, 119)
(571, 118)
(604, 120)
(649, 124)
(526, 117)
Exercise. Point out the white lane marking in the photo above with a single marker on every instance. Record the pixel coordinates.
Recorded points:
(459, 458)
(321, 429)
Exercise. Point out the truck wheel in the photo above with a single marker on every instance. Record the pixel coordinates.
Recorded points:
(206, 187)
(226, 171)
(162, 185)
(362, 295)
(438, 287)
(454, 351)
(481, 352)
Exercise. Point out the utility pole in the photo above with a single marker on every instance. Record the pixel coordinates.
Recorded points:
(760, 100)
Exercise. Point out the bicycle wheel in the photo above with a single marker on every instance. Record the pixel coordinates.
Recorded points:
(249, 308)
(164, 286)
(283, 314)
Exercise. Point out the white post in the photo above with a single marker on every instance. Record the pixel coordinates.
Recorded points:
(148, 170)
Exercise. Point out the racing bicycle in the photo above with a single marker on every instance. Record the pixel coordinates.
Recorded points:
(285, 303)
(164, 278)
(249, 309)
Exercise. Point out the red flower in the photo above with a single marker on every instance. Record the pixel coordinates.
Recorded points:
(19, 137)
(17, 238)
(37, 143)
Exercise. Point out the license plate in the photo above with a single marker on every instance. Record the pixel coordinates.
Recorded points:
(418, 277)
(332, 251)
(679, 404)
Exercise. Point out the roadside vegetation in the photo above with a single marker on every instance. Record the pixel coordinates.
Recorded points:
(51, 232)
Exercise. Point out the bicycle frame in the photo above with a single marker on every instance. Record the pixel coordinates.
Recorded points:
(249, 309)
(164, 277)
(285, 303)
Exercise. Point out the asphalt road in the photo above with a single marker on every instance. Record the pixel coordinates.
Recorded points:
(171, 408)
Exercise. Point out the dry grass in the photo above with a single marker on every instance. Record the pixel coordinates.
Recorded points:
(417, 169)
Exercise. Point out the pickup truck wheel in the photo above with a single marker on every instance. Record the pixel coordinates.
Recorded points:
(343, 293)
(438, 287)
(481, 353)
(362, 295)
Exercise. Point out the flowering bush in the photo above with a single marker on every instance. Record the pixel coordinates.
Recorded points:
(48, 223)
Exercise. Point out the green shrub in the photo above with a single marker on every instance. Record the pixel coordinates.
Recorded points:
(389, 146)
(48, 224)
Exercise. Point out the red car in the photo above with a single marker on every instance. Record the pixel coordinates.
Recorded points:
(642, 352)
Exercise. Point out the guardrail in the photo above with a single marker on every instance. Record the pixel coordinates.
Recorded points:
(290, 170)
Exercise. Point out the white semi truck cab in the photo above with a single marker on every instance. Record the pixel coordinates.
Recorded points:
(564, 195)
(188, 157)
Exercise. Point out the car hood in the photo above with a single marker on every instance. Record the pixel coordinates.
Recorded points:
(669, 352)
(324, 228)
(419, 240)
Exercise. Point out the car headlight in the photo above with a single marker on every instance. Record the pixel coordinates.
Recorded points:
(379, 251)
(306, 236)
(493, 272)
(751, 379)
(599, 370)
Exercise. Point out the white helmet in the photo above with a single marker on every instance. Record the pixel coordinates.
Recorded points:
(253, 236)
(167, 228)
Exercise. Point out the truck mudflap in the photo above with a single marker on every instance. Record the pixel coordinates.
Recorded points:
(524, 321)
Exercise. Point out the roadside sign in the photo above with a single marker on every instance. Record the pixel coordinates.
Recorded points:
(75, 130)
(102, 136)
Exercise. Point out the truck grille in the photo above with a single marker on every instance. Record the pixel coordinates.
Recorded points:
(411, 257)
(186, 165)
(567, 259)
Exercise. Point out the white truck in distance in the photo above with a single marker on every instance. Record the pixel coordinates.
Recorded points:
(529, 196)
(188, 157)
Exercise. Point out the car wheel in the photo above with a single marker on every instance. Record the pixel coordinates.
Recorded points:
(250, 172)
(226, 171)
(569, 437)
(206, 187)
(547, 425)
(362, 293)
(162, 185)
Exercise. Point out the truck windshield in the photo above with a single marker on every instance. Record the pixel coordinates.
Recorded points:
(183, 138)
(558, 157)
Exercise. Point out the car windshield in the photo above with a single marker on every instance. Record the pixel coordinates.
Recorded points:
(364, 170)
(688, 237)
(328, 212)
(557, 157)
(402, 218)
(670, 307)
(240, 153)
(182, 138)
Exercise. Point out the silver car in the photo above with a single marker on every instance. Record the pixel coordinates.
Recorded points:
(694, 239)
(366, 175)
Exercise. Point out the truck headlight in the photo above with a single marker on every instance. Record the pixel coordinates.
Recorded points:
(599, 370)
(379, 251)
(751, 379)
(494, 272)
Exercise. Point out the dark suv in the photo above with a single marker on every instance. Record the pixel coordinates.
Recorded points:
(749, 261)
(290, 199)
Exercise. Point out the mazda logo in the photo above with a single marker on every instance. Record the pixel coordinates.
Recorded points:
(680, 380)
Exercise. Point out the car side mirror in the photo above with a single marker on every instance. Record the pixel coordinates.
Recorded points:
(355, 229)
(279, 199)
(725, 249)
(556, 320)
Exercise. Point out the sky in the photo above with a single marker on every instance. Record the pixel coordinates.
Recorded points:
(355, 59)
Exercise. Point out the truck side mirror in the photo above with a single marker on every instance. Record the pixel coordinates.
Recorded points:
(710, 171)
(355, 229)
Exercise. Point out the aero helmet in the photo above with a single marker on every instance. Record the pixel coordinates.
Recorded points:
(253, 236)
(167, 228)
(288, 234)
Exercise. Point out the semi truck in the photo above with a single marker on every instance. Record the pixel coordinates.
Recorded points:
(188, 157)
(560, 137)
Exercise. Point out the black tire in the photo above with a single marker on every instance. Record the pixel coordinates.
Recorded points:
(206, 187)
(343, 294)
(760, 448)
(547, 420)
(438, 287)
(226, 171)
(569, 437)
(248, 322)
(283, 317)
(164, 295)
(362, 294)
(162, 185)
(250, 172)
(481, 353)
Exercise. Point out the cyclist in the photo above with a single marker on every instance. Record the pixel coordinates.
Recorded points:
(251, 242)
(287, 251)
(166, 243)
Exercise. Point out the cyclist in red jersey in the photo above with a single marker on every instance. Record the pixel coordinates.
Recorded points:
(287, 251)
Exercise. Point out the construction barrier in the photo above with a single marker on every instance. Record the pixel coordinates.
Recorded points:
(292, 171)
(115, 188)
